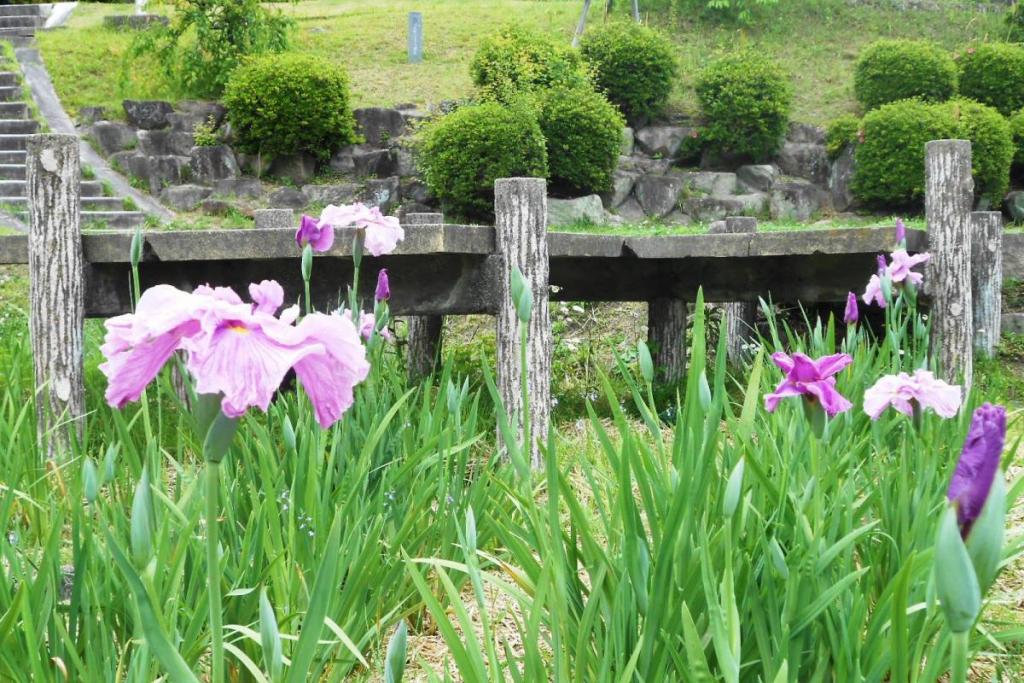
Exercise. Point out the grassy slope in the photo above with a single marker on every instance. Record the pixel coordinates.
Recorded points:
(816, 41)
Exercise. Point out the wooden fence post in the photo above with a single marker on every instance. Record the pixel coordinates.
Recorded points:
(56, 288)
(738, 317)
(987, 279)
(666, 337)
(520, 209)
(949, 194)
(424, 336)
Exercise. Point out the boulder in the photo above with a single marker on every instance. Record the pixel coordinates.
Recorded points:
(287, 198)
(622, 187)
(90, 115)
(184, 197)
(343, 160)
(240, 187)
(271, 219)
(757, 177)
(192, 112)
(662, 141)
(405, 161)
(340, 193)
(374, 164)
(113, 137)
(796, 200)
(567, 211)
(715, 160)
(298, 168)
(708, 209)
(840, 180)
(804, 160)
(147, 114)
(413, 116)
(157, 172)
(163, 142)
(133, 22)
(216, 207)
(1014, 205)
(210, 164)
(805, 133)
(641, 164)
(630, 211)
(378, 125)
(416, 190)
(383, 193)
(714, 183)
(677, 217)
(628, 142)
(658, 194)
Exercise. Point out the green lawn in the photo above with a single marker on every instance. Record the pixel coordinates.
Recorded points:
(816, 41)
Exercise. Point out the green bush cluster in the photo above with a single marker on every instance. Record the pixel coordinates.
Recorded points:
(993, 74)
(840, 133)
(745, 99)
(288, 103)
(892, 70)
(633, 65)
(463, 153)
(515, 60)
(583, 132)
(890, 161)
(1016, 122)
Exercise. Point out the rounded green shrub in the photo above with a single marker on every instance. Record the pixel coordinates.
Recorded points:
(1017, 131)
(515, 60)
(633, 65)
(289, 103)
(745, 99)
(993, 74)
(583, 132)
(991, 146)
(890, 160)
(892, 70)
(464, 152)
(840, 133)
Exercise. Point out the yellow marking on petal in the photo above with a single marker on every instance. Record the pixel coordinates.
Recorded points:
(240, 329)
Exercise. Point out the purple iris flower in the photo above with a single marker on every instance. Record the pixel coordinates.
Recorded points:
(383, 292)
(320, 236)
(978, 464)
(852, 313)
(901, 232)
(811, 379)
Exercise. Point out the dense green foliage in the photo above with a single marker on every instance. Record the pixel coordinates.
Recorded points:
(463, 153)
(890, 161)
(1015, 23)
(891, 70)
(840, 133)
(633, 65)
(284, 104)
(583, 132)
(992, 147)
(1017, 131)
(516, 60)
(993, 74)
(207, 39)
(745, 99)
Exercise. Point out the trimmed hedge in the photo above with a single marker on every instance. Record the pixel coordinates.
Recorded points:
(993, 74)
(991, 146)
(841, 132)
(893, 70)
(464, 152)
(289, 103)
(1017, 131)
(633, 65)
(746, 100)
(515, 61)
(583, 132)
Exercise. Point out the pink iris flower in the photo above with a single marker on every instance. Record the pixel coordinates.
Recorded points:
(367, 325)
(381, 233)
(240, 351)
(901, 391)
(383, 292)
(901, 232)
(317, 234)
(899, 272)
(852, 313)
(811, 379)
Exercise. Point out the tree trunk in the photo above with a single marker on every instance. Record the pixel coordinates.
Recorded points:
(987, 279)
(738, 317)
(666, 337)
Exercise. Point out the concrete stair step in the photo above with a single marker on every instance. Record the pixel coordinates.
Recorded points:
(25, 21)
(21, 11)
(18, 127)
(10, 93)
(17, 31)
(9, 78)
(13, 110)
(13, 143)
(12, 171)
(13, 157)
(13, 191)
(12, 188)
(91, 188)
(112, 219)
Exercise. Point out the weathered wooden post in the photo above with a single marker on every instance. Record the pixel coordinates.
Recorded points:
(666, 337)
(424, 331)
(949, 194)
(56, 288)
(986, 279)
(415, 43)
(520, 209)
(738, 317)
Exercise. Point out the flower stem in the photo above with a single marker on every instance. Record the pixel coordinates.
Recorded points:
(959, 658)
(213, 573)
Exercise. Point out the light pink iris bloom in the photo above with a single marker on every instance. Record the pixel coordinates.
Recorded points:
(810, 379)
(898, 271)
(382, 233)
(238, 350)
(901, 390)
(367, 324)
(317, 234)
